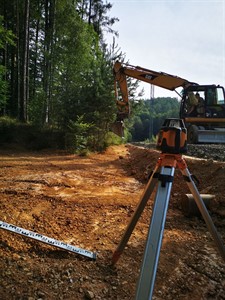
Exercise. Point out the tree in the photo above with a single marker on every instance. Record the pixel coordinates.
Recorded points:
(145, 113)
(24, 95)
(60, 68)
(6, 38)
(95, 13)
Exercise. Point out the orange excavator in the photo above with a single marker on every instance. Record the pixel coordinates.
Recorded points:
(202, 106)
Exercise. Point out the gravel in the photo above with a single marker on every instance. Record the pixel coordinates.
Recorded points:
(206, 151)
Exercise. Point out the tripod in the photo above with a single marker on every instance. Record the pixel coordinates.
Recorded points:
(162, 176)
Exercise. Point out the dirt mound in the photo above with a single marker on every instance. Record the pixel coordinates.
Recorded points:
(88, 202)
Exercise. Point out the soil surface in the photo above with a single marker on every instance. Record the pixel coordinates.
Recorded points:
(88, 202)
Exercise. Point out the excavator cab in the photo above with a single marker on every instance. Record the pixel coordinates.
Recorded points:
(203, 101)
(203, 109)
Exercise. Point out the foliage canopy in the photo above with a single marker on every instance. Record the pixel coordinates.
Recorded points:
(56, 70)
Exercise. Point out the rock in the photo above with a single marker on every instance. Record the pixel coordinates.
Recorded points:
(105, 291)
(89, 294)
(40, 294)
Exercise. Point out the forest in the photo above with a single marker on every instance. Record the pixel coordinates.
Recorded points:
(56, 76)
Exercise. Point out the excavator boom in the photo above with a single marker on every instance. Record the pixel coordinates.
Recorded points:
(160, 79)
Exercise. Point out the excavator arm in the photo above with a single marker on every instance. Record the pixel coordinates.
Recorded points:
(160, 79)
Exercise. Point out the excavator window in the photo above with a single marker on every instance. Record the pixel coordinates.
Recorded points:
(204, 101)
(215, 103)
(220, 96)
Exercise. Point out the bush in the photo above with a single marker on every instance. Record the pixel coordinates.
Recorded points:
(80, 138)
(28, 136)
(77, 137)
(113, 139)
(7, 129)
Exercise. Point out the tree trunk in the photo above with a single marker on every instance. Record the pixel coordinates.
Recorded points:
(49, 44)
(89, 12)
(24, 75)
(35, 58)
(18, 58)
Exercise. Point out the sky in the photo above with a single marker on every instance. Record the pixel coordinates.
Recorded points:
(185, 38)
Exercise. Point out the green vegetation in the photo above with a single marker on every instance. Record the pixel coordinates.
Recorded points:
(149, 115)
(56, 76)
(26, 136)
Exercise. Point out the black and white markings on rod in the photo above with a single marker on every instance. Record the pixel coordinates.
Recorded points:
(47, 240)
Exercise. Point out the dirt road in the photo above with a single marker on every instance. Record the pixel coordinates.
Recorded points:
(88, 202)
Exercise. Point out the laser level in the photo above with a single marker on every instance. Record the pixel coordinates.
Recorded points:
(172, 137)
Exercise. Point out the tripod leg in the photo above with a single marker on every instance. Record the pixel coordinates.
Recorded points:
(145, 196)
(152, 250)
(211, 227)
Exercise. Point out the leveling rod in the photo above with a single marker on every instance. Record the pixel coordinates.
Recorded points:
(44, 239)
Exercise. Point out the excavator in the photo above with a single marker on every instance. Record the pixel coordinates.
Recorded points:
(202, 107)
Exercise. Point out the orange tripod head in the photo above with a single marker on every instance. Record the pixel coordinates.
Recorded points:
(172, 137)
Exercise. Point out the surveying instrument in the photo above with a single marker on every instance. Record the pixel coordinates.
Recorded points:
(172, 142)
